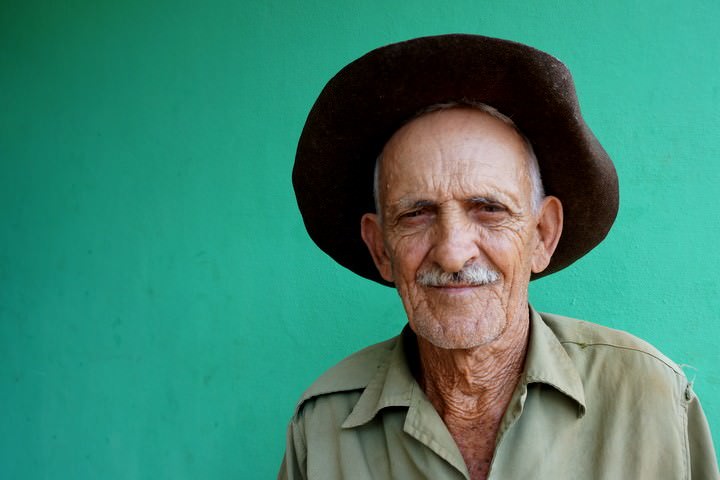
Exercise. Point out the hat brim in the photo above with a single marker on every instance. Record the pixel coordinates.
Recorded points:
(369, 99)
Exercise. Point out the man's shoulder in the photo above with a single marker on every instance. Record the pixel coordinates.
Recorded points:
(352, 373)
(589, 337)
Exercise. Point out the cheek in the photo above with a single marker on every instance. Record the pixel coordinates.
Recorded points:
(407, 254)
(403, 266)
(510, 250)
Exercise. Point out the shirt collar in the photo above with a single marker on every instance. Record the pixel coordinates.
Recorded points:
(547, 362)
(392, 385)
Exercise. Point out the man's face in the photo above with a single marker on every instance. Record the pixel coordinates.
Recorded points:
(455, 193)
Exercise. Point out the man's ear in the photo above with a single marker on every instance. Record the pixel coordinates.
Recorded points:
(372, 235)
(549, 228)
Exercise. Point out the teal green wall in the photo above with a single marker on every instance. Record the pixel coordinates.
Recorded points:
(161, 306)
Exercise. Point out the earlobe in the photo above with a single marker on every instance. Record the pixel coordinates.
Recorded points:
(372, 235)
(549, 229)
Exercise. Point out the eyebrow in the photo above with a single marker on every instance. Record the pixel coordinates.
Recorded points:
(405, 204)
(476, 199)
(411, 203)
(484, 200)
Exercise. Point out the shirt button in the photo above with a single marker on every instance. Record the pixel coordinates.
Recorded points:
(688, 392)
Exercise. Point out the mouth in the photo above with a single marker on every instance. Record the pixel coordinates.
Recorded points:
(458, 288)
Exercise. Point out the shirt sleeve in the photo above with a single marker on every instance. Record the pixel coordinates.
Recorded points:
(703, 462)
(293, 466)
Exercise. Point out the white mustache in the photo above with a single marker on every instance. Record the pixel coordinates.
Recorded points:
(472, 275)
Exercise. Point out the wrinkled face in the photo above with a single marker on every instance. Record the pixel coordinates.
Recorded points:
(455, 196)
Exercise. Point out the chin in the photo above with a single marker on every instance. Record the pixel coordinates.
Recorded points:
(459, 334)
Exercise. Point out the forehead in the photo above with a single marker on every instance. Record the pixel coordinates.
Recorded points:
(454, 151)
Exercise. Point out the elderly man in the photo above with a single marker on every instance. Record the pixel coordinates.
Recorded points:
(485, 176)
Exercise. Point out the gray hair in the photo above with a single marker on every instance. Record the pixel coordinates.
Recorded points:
(533, 168)
(474, 274)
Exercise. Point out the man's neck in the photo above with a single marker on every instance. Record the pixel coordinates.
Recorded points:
(471, 388)
(466, 382)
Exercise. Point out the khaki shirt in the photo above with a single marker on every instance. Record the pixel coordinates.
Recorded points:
(592, 403)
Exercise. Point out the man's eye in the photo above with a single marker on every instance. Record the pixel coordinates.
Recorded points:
(490, 208)
(414, 214)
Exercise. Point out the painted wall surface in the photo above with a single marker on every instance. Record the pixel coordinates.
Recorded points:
(161, 306)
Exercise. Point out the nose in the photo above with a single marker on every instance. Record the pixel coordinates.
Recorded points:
(455, 244)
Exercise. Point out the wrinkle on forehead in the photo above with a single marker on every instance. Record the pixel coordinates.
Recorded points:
(456, 153)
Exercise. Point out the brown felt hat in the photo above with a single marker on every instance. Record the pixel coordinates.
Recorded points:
(368, 100)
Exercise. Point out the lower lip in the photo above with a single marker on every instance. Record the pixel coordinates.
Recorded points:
(456, 290)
